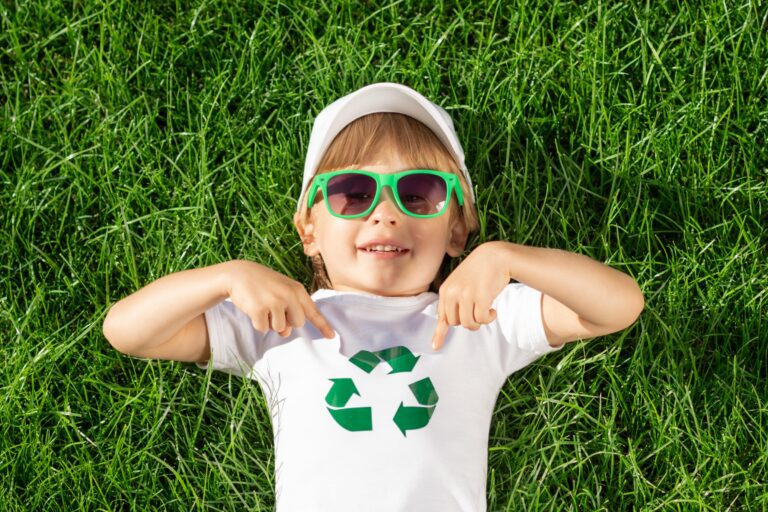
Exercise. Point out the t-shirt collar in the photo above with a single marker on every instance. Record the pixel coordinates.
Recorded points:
(370, 299)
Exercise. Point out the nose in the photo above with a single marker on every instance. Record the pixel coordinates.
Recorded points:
(386, 210)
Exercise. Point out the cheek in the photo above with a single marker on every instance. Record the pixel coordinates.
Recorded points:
(433, 238)
(337, 236)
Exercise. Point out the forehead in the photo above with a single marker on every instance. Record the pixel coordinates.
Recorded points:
(377, 170)
(386, 164)
(386, 168)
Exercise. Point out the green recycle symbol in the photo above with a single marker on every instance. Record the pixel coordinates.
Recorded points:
(400, 359)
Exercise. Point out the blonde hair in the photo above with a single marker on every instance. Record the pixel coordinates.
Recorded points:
(371, 139)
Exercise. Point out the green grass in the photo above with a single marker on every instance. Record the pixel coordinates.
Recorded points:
(143, 138)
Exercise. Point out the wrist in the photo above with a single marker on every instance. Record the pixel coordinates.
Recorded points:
(223, 278)
(505, 254)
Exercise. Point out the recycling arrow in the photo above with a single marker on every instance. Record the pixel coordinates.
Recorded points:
(411, 418)
(400, 360)
(354, 419)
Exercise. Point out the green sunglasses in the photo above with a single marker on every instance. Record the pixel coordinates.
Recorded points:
(352, 193)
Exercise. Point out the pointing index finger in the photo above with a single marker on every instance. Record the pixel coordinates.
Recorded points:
(438, 338)
(319, 321)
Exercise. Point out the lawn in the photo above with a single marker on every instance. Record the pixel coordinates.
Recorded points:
(139, 139)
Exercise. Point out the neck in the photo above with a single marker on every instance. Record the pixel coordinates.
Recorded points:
(381, 292)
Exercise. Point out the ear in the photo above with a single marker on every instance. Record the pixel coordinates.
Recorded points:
(306, 234)
(458, 239)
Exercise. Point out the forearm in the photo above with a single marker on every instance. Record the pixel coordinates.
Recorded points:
(152, 315)
(596, 292)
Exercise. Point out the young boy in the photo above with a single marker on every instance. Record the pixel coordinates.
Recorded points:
(392, 412)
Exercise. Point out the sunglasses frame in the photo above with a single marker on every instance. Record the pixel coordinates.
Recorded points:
(386, 180)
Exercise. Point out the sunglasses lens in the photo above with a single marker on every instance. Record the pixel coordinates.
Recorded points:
(422, 194)
(351, 194)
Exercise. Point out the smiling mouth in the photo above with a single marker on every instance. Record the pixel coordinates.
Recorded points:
(384, 255)
(399, 251)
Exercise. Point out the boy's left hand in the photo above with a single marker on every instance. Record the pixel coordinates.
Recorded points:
(465, 297)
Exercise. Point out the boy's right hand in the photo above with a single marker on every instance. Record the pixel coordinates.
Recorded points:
(271, 299)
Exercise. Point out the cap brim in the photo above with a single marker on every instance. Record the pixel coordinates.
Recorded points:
(387, 97)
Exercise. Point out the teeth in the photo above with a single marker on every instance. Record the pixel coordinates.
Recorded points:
(383, 248)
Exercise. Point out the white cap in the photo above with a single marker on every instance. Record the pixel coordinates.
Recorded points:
(380, 97)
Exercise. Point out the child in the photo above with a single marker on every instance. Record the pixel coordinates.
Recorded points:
(392, 411)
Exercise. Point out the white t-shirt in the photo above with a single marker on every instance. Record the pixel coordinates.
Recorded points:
(373, 419)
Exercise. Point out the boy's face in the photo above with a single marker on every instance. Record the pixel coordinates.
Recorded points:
(351, 268)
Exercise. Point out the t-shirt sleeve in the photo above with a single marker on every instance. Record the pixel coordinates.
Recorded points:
(518, 312)
(236, 346)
